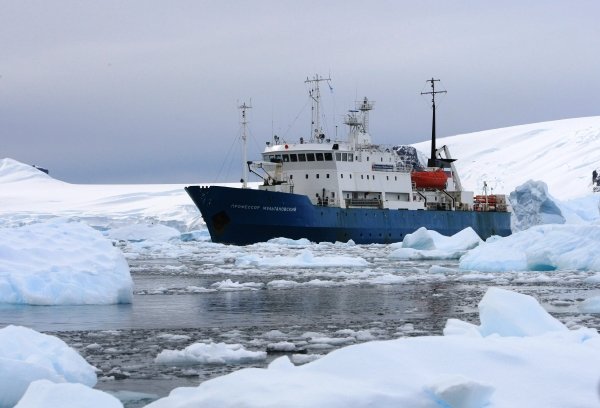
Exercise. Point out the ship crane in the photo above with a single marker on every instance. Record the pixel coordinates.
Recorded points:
(449, 160)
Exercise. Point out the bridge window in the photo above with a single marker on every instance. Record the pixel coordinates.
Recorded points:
(338, 156)
(328, 156)
(317, 175)
(319, 156)
(286, 158)
(310, 156)
(293, 158)
(301, 157)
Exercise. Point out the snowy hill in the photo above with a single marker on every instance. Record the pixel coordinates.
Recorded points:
(13, 171)
(562, 153)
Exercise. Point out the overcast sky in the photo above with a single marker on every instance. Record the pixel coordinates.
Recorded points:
(147, 91)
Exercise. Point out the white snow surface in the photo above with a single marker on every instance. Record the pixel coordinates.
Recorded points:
(539, 248)
(520, 356)
(562, 153)
(26, 356)
(58, 262)
(44, 394)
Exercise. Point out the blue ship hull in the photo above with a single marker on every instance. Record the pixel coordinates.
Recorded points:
(246, 216)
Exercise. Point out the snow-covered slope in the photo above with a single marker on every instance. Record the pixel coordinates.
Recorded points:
(27, 194)
(562, 153)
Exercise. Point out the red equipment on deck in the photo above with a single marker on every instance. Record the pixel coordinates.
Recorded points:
(429, 179)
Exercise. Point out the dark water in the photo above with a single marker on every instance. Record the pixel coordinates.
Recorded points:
(122, 341)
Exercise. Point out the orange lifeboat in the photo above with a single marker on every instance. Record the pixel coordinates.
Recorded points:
(429, 179)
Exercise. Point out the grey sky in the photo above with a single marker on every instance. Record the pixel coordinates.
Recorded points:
(146, 91)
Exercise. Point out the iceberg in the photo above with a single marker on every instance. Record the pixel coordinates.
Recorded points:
(539, 248)
(58, 262)
(26, 356)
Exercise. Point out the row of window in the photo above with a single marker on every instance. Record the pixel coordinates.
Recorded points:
(362, 176)
(310, 157)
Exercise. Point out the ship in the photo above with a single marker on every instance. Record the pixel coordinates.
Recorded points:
(328, 190)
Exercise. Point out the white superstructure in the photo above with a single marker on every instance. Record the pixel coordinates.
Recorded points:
(351, 173)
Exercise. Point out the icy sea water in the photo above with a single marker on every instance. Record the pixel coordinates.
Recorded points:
(318, 297)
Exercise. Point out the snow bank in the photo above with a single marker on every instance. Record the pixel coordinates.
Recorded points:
(211, 353)
(532, 205)
(44, 393)
(428, 244)
(544, 365)
(26, 356)
(60, 262)
(539, 248)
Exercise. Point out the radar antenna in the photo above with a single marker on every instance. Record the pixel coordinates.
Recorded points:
(243, 108)
(316, 131)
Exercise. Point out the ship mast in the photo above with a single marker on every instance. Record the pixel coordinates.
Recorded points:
(316, 131)
(243, 107)
(432, 161)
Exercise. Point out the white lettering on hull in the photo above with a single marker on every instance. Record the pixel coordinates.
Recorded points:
(264, 208)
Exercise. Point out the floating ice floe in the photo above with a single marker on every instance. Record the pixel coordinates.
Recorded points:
(590, 305)
(289, 241)
(26, 356)
(304, 259)
(58, 262)
(229, 285)
(212, 353)
(424, 244)
(539, 248)
(519, 356)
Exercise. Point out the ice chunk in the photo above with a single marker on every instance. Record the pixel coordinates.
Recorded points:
(60, 262)
(26, 356)
(510, 313)
(212, 353)
(532, 205)
(539, 248)
(420, 239)
(424, 244)
(44, 393)
(590, 305)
